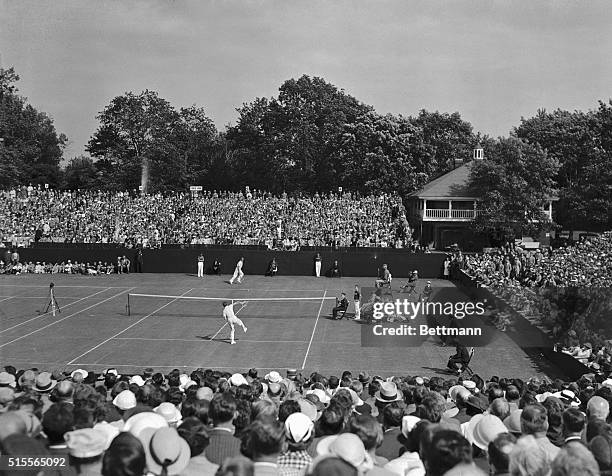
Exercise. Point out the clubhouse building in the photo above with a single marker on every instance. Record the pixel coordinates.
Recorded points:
(443, 209)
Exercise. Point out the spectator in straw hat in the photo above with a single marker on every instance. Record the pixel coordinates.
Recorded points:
(7, 380)
(167, 453)
(79, 375)
(388, 393)
(125, 401)
(299, 434)
(44, 383)
(27, 380)
(7, 395)
(484, 432)
(85, 449)
(349, 448)
(170, 413)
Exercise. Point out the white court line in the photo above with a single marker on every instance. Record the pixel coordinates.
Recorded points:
(314, 329)
(49, 312)
(7, 298)
(217, 333)
(67, 317)
(127, 328)
(200, 340)
(39, 297)
(61, 286)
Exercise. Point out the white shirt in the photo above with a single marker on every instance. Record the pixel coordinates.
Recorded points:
(228, 312)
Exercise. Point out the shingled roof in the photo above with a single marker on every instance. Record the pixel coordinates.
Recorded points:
(453, 184)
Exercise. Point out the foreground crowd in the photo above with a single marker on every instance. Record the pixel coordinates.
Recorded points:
(243, 218)
(210, 422)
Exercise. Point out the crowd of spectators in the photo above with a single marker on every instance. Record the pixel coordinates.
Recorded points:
(10, 263)
(539, 284)
(587, 263)
(212, 422)
(211, 217)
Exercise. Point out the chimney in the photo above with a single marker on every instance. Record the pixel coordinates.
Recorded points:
(478, 153)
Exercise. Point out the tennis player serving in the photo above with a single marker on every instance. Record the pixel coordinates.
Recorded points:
(230, 316)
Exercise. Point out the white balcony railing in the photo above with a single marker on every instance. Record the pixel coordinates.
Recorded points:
(454, 214)
(450, 214)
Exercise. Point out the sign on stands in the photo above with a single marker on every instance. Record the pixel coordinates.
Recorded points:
(140, 187)
(195, 188)
(340, 189)
(47, 186)
(531, 245)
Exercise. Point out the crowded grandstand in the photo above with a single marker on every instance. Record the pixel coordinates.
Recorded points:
(222, 218)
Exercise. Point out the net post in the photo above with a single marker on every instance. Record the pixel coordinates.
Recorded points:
(128, 305)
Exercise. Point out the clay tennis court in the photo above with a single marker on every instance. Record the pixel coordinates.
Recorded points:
(94, 331)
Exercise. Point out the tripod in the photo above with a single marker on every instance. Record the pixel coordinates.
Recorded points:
(52, 301)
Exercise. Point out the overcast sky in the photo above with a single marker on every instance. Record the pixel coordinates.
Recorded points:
(492, 61)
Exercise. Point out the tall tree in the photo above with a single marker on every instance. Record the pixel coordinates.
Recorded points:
(513, 183)
(580, 141)
(291, 142)
(198, 141)
(81, 173)
(30, 147)
(445, 139)
(134, 129)
(377, 155)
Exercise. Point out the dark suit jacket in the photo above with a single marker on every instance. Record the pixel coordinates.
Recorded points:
(222, 445)
(391, 444)
(595, 427)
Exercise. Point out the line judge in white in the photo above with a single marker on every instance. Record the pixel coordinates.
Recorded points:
(238, 274)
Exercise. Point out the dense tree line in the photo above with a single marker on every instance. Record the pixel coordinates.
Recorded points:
(315, 137)
(30, 148)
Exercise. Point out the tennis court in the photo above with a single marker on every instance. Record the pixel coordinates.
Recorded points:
(288, 320)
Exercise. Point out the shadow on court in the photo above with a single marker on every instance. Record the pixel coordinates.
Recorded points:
(214, 338)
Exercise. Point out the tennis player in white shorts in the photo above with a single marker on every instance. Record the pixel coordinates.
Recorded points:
(230, 316)
(238, 274)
